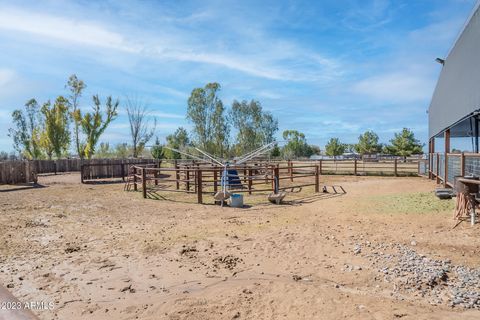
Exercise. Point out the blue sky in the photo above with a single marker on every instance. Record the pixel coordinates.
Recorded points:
(326, 68)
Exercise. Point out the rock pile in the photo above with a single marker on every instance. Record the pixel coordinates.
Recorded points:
(438, 281)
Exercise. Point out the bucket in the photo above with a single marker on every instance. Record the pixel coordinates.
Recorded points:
(236, 200)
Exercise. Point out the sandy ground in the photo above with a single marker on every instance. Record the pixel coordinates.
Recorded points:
(98, 252)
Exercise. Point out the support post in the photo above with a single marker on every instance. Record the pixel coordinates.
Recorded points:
(177, 176)
(395, 163)
(135, 188)
(320, 166)
(215, 183)
(81, 172)
(317, 179)
(144, 182)
(187, 183)
(199, 186)
(462, 164)
(447, 151)
(276, 180)
(266, 174)
(250, 175)
(437, 169)
(290, 169)
(355, 167)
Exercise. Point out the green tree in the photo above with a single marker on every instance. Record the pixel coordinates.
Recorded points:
(104, 151)
(404, 144)
(56, 136)
(334, 147)
(122, 151)
(315, 149)
(27, 131)
(368, 143)
(141, 130)
(207, 113)
(76, 87)
(178, 140)
(157, 150)
(276, 152)
(93, 124)
(255, 127)
(296, 145)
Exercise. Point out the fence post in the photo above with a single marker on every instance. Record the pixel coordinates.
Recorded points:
(290, 170)
(320, 166)
(317, 179)
(122, 169)
(445, 178)
(395, 168)
(250, 171)
(215, 177)
(81, 173)
(244, 172)
(177, 176)
(266, 174)
(437, 169)
(355, 167)
(135, 188)
(276, 180)
(199, 186)
(188, 179)
(462, 164)
(144, 182)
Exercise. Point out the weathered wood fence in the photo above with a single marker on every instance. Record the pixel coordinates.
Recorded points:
(14, 172)
(201, 179)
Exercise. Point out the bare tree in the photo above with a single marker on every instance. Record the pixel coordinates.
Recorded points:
(141, 128)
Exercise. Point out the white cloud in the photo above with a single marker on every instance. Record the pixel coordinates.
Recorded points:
(265, 58)
(63, 29)
(396, 87)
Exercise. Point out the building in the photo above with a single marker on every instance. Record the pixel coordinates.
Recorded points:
(454, 112)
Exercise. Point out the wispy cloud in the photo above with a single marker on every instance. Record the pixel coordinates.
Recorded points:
(315, 65)
(269, 64)
(398, 87)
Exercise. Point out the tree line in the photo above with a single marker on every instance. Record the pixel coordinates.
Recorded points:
(403, 144)
(52, 129)
(49, 130)
(230, 132)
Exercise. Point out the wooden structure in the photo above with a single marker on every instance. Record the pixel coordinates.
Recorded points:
(15, 172)
(202, 178)
(111, 170)
(466, 200)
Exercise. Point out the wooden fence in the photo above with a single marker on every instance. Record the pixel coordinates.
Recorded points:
(14, 172)
(202, 180)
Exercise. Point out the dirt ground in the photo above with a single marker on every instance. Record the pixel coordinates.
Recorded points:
(98, 252)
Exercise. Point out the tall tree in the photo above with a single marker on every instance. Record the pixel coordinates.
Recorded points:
(254, 126)
(334, 147)
(178, 140)
(141, 130)
(27, 131)
(207, 113)
(296, 145)
(404, 144)
(368, 143)
(56, 136)
(157, 150)
(76, 87)
(93, 124)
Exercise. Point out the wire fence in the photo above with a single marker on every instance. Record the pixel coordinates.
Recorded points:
(446, 167)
